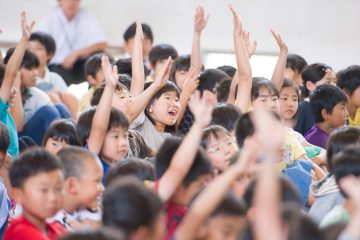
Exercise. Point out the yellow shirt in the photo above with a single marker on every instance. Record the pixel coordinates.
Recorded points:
(292, 149)
(85, 100)
(356, 120)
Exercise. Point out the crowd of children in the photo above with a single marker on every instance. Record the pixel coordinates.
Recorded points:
(184, 152)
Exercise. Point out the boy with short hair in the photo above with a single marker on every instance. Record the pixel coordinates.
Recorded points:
(37, 179)
(83, 173)
(349, 81)
(328, 106)
(158, 57)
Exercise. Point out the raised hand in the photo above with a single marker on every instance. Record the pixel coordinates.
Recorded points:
(192, 81)
(200, 109)
(238, 29)
(279, 41)
(201, 20)
(139, 32)
(110, 72)
(164, 73)
(249, 44)
(25, 27)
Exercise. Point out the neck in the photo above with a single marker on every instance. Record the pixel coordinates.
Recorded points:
(41, 71)
(325, 127)
(37, 222)
(289, 123)
(351, 109)
(160, 127)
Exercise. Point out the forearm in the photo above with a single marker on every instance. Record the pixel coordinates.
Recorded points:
(195, 60)
(85, 52)
(11, 69)
(184, 99)
(234, 81)
(137, 65)
(279, 71)
(17, 112)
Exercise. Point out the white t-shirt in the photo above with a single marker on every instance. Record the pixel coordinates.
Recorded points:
(80, 32)
(51, 82)
(35, 100)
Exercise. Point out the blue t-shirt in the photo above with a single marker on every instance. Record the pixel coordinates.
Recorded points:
(105, 165)
(8, 121)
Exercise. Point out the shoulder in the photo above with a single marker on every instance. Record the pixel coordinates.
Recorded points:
(21, 229)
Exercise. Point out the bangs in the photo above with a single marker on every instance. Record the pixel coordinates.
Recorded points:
(215, 132)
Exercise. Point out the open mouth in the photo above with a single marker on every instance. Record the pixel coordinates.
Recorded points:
(173, 113)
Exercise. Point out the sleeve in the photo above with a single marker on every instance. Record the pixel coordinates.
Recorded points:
(296, 148)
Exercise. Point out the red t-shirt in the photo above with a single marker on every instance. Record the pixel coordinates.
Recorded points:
(174, 214)
(23, 229)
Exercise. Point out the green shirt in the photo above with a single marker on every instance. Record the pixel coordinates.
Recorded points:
(8, 121)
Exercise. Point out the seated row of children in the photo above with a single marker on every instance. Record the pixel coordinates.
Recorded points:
(210, 154)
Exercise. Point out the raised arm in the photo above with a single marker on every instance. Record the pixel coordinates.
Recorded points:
(200, 23)
(138, 104)
(279, 71)
(17, 108)
(12, 67)
(213, 194)
(184, 157)
(243, 65)
(102, 114)
(137, 64)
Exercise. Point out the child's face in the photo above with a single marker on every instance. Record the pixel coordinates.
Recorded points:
(89, 184)
(41, 195)
(70, 7)
(116, 145)
(267, 100)
(289, 103)
(354, 98)
(54, 146)
(338, 115)
(164, 110)
(121, 100)
(223, 227)
(293, 75)
(209, 97)
(97, 81)
(39, 50)
(180, 77)
(329, 78)
(220, 151)
(28, 77)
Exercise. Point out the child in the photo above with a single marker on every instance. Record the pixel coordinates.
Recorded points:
(134, 209)
(60, 133)
(225, 115)
(326, 191)
(289, 102)
(43, 46)
(346, 163)
(181, 167)
(4, 198)
(37, 179)
(101, 234)
(95, 77)
(158, 57)
(313, 75)
(328, 106)
(83, 174)
(349, 82)
(295, 64)
(220, 146)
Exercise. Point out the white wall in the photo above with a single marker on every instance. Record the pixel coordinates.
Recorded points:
(320, 30)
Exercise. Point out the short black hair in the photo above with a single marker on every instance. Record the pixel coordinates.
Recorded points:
(73, 158)
(128, 205)
(295, 62)
(244, 128)
(230, 206)
(222, 90)
(4, 138)
(62, 130)
(90, 234)
(229, 70)
(93, 64)
(313, 73)
(209, 78)
(124, 66)
(214, 131)
(326, 97)
(349, 79)
(30, 163)
(117, 119)
(182, 63)
(139, 168)
(289, 193)
(46, 40)
(2, 73)
(29, 61)
(162, 51)
(338, 140)
(260, 83)
(200, 166)
(131, 31)
(225, 114)
(346, 163)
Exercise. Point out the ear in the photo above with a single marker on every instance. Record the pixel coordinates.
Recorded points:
(71, 185)
(310, 86)
(151, 108)
(18, 195)
(91, 79)
(324, 114)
